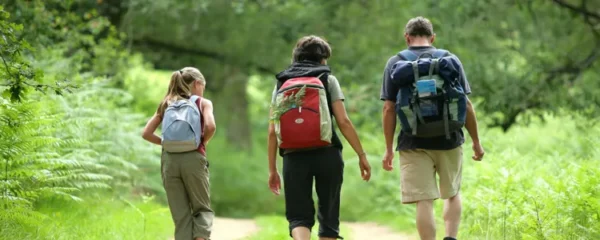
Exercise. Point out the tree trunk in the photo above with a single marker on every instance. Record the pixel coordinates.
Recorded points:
(231, 109)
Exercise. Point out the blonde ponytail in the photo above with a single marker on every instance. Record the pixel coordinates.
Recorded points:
(180, 86)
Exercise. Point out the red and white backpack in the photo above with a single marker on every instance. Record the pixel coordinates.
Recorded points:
(301, 114)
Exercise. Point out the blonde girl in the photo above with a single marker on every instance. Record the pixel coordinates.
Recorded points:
(185, 174)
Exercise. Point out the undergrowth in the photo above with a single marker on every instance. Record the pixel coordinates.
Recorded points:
(98, 217)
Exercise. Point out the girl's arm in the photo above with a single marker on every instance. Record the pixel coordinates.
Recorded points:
(210, 127)
(272, 148)
(347, 129)
(149, 129)
(346, 126)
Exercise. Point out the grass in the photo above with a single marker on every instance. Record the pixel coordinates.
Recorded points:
(101, 218)
(536, 182)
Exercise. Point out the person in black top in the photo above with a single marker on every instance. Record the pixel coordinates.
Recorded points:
(323, 165)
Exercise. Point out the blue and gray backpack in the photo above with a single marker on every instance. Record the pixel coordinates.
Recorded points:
(431, 101)
(181, 126)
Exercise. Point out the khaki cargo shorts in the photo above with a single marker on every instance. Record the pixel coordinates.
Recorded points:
(418, 170)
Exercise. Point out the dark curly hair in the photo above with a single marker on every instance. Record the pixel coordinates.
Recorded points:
(311, 48)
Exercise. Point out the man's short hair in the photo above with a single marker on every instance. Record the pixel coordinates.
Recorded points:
(311, 48)
(419, 27)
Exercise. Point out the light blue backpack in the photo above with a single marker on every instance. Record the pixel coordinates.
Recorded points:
(181, 126)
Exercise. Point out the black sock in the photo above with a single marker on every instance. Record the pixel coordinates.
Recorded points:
(449, 238)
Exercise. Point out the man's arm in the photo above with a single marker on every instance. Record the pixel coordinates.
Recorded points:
(471, 122)
(210, 127)
(471, 125)
(389, 125)
(388, 94)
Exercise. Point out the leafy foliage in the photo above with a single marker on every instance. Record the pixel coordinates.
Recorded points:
(524, 59)
(527, 187)
(32, 168)
(514, 64)
(17, 73)
(53, 147)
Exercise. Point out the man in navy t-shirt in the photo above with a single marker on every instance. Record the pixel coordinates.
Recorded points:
(422, 158)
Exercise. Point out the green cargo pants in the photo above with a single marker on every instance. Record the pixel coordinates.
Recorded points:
(185, 178)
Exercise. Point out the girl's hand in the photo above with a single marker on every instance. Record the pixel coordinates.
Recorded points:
(365, 167)
(274, 182)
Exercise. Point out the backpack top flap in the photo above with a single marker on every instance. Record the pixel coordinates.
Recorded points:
(402, 72)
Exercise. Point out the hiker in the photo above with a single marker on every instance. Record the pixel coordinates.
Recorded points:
(187, 126)
(429, 96)
(305, 99)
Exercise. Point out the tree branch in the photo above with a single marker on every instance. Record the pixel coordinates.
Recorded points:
(572, 70)
(201, 52)
(6, 66)
(579, 67)
(581, 10)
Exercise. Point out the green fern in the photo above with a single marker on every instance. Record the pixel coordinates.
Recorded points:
(63, 146)
(110, 137)
(29, 156)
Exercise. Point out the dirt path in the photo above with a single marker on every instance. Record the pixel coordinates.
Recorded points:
(233, 229)
(238, 229)
(362, 231)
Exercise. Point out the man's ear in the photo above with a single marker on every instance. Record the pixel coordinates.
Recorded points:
(407, 38)
(432, 38)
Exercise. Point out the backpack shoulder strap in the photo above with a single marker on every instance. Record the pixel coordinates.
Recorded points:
(199, 104)
(194, 99)
(440, 53)
(324, 77)
(407, 55)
